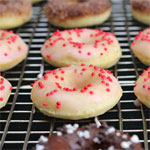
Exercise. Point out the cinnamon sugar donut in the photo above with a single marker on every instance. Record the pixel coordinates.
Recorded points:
(12, 50)
(14, 13)
(141, 10)
(142, 88)
(76, 92)
(88, 137)
(141, 46)
(77, 46)
(5, 90)
(77, 13)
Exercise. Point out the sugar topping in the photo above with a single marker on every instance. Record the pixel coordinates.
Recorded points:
(96, 140)
(111, 148)
(125, 144)
(85, 134)
(43, 139)
(110, 130)
(39, 147)
(134, 139)
(71, 128)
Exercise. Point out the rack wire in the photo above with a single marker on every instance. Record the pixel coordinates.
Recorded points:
(21, 124)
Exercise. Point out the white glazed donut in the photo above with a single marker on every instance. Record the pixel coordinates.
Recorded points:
(5, 90)
(141, 46)
(142, 88)
(77, 46)
(76, 92)
(12, 50)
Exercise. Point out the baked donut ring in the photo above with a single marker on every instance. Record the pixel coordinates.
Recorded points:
(14, 13)
(77, 13)
(76, 92)
(77, 46)
(88, 137)
(12, 50)
(141, 10)
(142, 88)
(141, 46)
(5, 90)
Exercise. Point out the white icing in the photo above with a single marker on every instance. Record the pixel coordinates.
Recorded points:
(80, 134)
(76, 126)
(118, 134)
(125, 144)
(70, 131)
(43, 139)
(39, 147)
(111, 148)
(134, 139)
(98, 124)
(110, 130)
(59, 133)
(124, 136)
(86, 134)
(96, 140)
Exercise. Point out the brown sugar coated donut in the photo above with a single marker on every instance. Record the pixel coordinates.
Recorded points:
(14, 13)
(77, 13)
(141, 10)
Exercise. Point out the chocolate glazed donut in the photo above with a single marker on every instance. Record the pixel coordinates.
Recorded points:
(90, 137)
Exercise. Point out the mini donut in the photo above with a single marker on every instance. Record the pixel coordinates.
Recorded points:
(141, 10)
(12, 50)
(141, 46)
(77, 13)
(14, 13)
(76, 92)
(142, 88)
(88, 137)
(77, 46)
(5, 91)
(36, 1)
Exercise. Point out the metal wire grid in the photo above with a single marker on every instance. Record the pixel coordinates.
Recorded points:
(21, 124)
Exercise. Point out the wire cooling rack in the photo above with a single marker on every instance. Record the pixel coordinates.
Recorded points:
(21, 124)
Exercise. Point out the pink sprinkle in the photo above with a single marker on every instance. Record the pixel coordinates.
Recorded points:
(48, 56)
(62, 78)
(91, 92)
(108, 90)
(88, 53)
(1, 98)
(44, 104)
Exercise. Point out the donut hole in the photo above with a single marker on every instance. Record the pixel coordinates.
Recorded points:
(78, 80)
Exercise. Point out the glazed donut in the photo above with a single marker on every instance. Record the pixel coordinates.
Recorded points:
(5, 90)
(77, 13)
(36, 1)
(12, 50)
(76, 92)
(141, 10)
(14, 13)
(77, 46)
(142, 88)
(89, 137)
(141, 46)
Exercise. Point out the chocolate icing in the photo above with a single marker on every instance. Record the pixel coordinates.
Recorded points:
(64, 9)
(103, 138)
(15, 7)
(141, 5)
